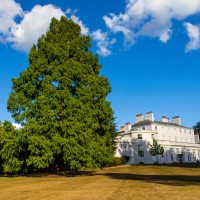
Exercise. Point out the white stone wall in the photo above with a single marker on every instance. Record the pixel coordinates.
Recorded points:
(174, 139)
(176, 134)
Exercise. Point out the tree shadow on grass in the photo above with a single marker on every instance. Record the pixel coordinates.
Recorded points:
(184, 165)
(52, 175)
(174, 180)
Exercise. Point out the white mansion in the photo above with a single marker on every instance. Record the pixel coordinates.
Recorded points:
(179, 142)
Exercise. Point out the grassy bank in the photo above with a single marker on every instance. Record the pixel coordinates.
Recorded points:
(120, 183)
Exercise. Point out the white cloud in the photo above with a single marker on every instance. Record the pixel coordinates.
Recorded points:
(103, 42)
(17, 126)
(9, 9)
(151, 18)
(193, 32)
(84, 29)
(165, 36)
(34, 24)
(72, 15)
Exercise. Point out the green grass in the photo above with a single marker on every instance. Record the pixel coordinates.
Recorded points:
(117, 183)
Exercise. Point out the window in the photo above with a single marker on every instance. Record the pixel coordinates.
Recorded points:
(189, 156)
(166, 157)
(180, 130)
(152, 136)
(139, 136)
(140, 150)
(194, 156)
(156, 128)
(124, 148)
(183, 159)
(143, 128)
(171, 155)
(177, 158)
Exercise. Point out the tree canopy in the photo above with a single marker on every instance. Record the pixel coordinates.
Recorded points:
(60, 99)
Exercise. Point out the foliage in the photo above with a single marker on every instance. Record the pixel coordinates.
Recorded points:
(9, 148)
(60, 99)
(120, 160)
(156, 149)
(196, 128)
(126, 158)
(116, 161)
(1, 132)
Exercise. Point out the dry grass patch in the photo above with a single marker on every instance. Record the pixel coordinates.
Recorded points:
(120, 183)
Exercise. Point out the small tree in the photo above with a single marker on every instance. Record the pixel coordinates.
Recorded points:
(156, 149)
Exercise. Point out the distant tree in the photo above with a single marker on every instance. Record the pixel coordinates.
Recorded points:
(60, 99)
(197, 128)
(156, 149)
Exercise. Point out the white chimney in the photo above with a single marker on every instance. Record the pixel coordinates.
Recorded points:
(122, 128)
(176, 120)
(165, 119)
(127, 127)
(139, 118)
(149, 116)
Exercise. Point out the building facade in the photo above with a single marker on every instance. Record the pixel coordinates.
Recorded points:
(180, 143)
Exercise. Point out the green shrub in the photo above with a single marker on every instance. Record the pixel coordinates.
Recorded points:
(127, 158)
(123, 160)
(116, 161)
(120, 161)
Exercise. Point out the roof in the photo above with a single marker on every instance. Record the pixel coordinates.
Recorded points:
(148, 122)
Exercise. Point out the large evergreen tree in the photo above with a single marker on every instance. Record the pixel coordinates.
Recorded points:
(60, 99)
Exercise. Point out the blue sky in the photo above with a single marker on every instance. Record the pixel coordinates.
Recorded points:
(149, 50)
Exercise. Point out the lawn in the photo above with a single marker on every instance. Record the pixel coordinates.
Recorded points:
(145, 182)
